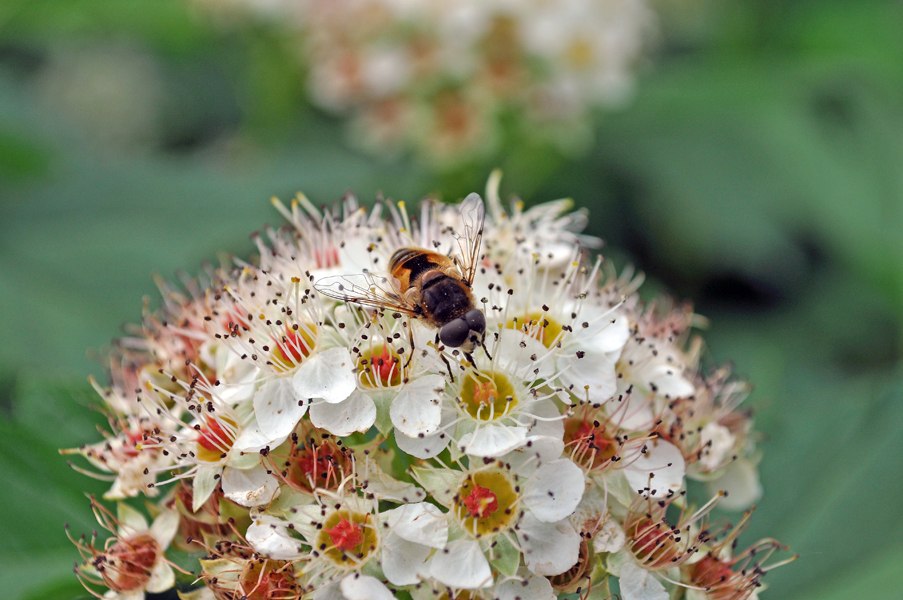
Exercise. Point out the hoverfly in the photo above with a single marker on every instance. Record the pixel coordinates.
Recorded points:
(427, 285)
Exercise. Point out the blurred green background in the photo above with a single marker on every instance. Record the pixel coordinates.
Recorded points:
(759, 171)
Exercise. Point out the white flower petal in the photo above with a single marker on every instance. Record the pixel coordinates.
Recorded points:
(532, 588)
(659, 472)
(238, 378)
(130, 520)
(203, 484)
(161, 579)
(667, 380)
(493, 440)
(386, 487)
(357, 413)
(592, 375)
(164, 527)
(249, 487)
(328, 374)
(426, 447)
(607, 335)
(417, 409)
(270, 537)
(553, 492)
(249, 442)
(639, 584)
(549, 548)
(551, 424)
(741, 482)
(718, 442)
(364, 587)
(421, 522)
(277, 408)
(333, 591)
(403, 561)
(634, 413)
(461, 565)
(609, 537)
(517, 352)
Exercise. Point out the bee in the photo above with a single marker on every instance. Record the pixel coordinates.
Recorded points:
(427, 285)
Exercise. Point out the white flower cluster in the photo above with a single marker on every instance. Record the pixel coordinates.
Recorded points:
(324, 449)
(446, 78)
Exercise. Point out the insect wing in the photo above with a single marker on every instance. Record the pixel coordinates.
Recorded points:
(366, 289)
(470, 239)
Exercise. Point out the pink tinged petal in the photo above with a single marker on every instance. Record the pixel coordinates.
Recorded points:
(553, 492)
(421, 523)
(270, 537)
(549, 548)
(357, 413)
(639, 584)
(364, 587)
(161, 579)
(249, 487)
(164, 527)
(328, 375)
(741, 482)
(417, 409)
(534, 588)
(659, 472)
(493, 440)
(278, 409)
(403, 562)
(426, 447)
(461, 565)
(203, 484)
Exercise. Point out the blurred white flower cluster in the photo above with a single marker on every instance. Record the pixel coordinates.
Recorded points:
(300, 446)
(450, 79)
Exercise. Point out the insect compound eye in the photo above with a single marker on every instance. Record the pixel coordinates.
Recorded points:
(454, 333)
(476, 321)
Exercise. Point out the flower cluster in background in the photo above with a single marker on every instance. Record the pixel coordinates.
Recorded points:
(449, 80)
(292, 445)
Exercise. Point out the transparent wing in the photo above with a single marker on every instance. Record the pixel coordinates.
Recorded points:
(470, 238)
(366, 289)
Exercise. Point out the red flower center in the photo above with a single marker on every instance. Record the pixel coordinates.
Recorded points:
(481, 502)
(214, 437)
(346, 535)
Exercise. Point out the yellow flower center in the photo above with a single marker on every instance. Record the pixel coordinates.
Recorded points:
(215, 438)
(488, 396)
(486, 502)
(380, 367)
(293, 346)
(347, 538)
(539, 326)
